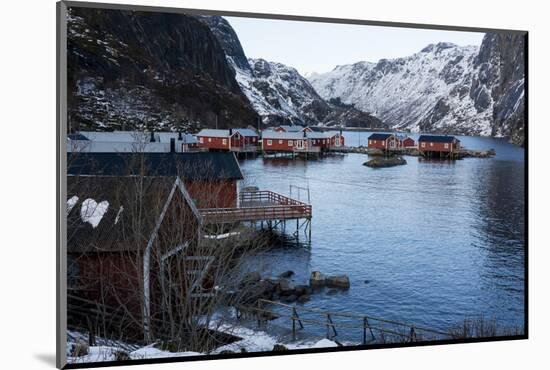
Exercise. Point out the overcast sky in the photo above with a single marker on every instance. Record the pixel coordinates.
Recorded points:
(319, 47)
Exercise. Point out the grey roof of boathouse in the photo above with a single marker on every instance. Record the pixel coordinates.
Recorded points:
(379, 136)
(189, 166)
(210, 132)
(437, 138)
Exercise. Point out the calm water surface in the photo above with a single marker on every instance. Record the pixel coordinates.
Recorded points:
(436, 240)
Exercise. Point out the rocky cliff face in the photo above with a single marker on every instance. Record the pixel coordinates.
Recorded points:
(443, 88)
(501, 67)
(279, 93)
(149, 70)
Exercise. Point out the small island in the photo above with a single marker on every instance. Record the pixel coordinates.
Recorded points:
(385, 162)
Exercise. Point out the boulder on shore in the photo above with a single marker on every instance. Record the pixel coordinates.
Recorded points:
(286, 274)
(317, 279)
(285, 288)
(279, 347)
(250, 278)
(338, 281)
(385, 162)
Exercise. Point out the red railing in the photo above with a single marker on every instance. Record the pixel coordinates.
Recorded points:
(259, 206)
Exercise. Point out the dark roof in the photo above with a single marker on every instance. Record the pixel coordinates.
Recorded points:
(379, 136)
(77, 137)
(437, 138)
(188, 166)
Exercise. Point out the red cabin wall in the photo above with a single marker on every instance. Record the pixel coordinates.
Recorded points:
(435, 146)
(379, 144)
(408, 142)
(276, 146)
(215, 194)
(213, 143)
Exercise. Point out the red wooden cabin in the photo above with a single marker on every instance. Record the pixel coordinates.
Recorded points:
(336, 138)
(408, 142)
(438, 144)
(124, 235)
(237, 140)
(274, 141)
(210, 177)
(384, 141)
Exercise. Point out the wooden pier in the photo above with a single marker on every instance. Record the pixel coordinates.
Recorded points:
(262, 206)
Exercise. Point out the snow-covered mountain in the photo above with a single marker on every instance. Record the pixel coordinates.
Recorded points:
(278, 92)
(137, 70)
(442, 88)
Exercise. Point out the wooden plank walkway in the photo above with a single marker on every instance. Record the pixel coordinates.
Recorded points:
(261, 205)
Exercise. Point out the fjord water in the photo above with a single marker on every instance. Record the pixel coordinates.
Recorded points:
(429, 243)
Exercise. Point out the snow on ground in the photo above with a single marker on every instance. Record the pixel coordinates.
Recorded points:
(251, 341)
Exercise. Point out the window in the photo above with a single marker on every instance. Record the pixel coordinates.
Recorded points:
(209, 139)
(290, 143)
(446, 145)
(269, 142)
(431, 144)
(313, 141)
(201, 140)
(370, 142)
(423, 145)
(224, 141)
(280, 141)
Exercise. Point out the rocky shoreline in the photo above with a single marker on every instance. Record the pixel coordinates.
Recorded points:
(413, 152)
(253, 287)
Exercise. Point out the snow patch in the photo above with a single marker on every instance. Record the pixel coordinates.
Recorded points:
(71, 203)
(92, 212)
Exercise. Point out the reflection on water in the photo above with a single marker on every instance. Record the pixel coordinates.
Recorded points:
(436, 240)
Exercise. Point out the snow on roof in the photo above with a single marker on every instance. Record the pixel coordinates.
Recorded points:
(92, 212)
(317, 135)
(283, 135)
(225, 133)
(293, 128)
(135, 136)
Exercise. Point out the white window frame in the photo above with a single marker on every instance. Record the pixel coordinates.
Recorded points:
(431, 144)
(290, 143)
(423, 144)
(224, 141)
(269, 142)
(201, 140)
(446, 145)
(280, 141)
(209, 139)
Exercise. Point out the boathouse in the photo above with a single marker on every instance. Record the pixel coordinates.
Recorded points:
(123, 236)
(234, 139)
(431, 145)
(384, 141)
(210, 177)
(336, 139)
(290, 128)
(408, 143)
(131, 142)
(289, 142)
